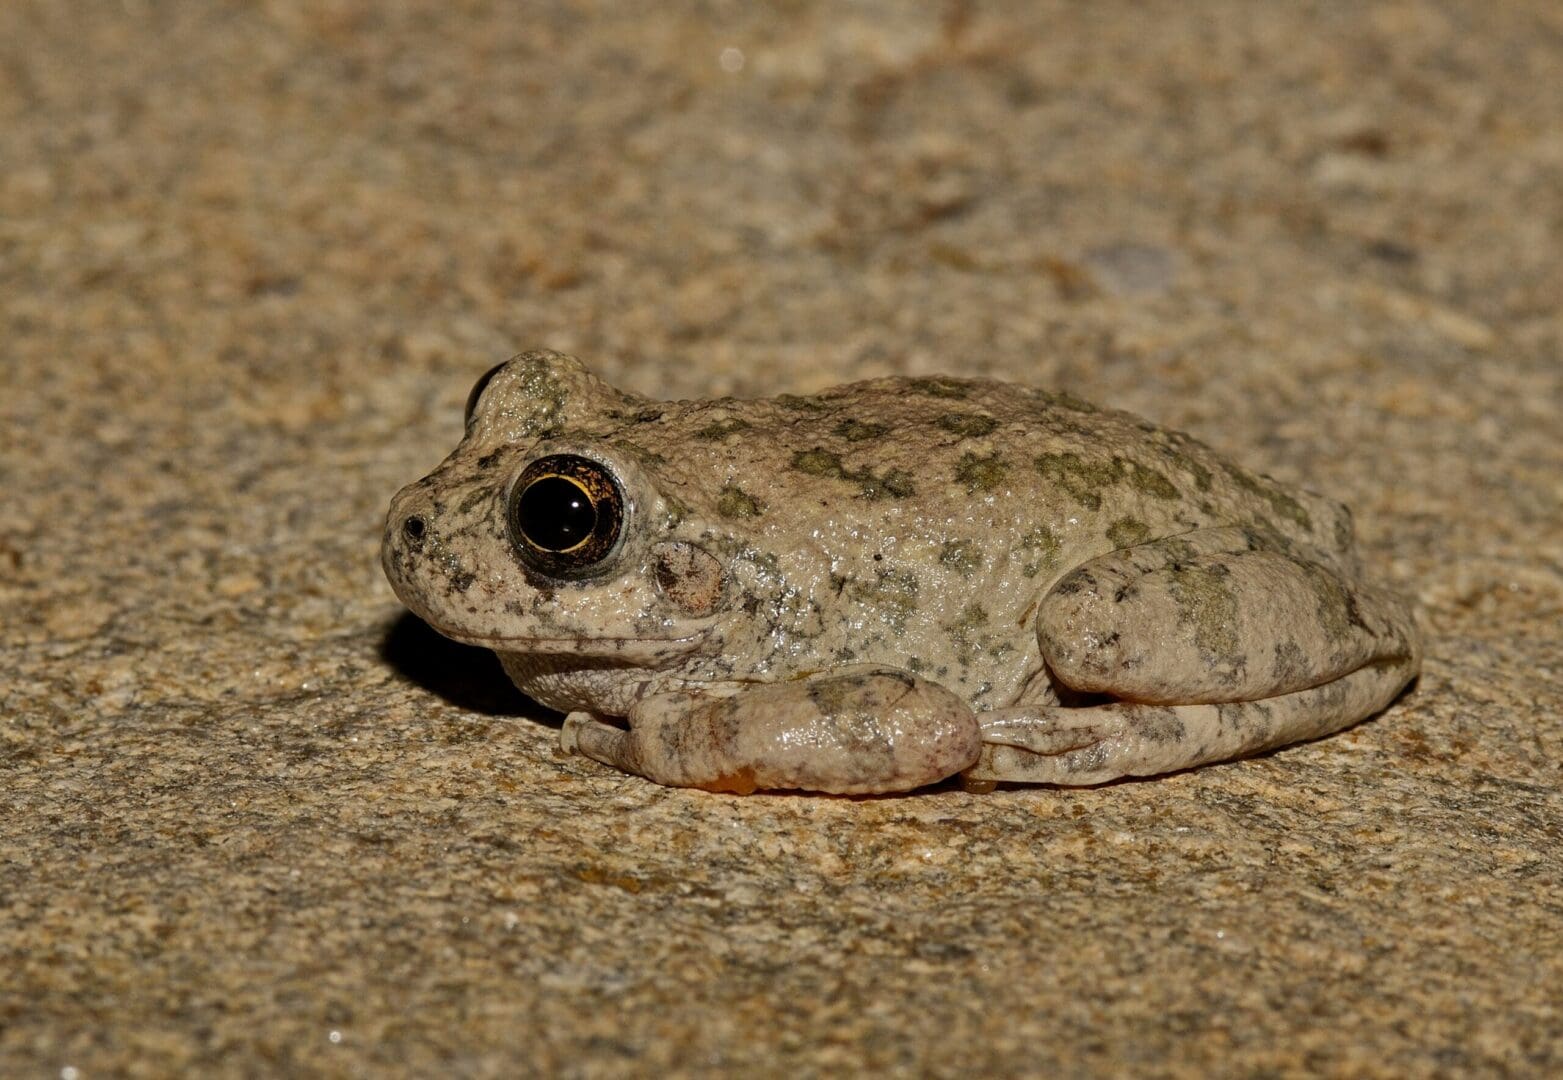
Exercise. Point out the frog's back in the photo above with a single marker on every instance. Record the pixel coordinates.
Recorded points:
(1011, 460)
(1128, 476)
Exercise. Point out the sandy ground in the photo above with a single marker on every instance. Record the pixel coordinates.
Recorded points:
(253, 819)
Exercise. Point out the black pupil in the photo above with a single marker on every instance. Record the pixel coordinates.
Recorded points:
(555, 514)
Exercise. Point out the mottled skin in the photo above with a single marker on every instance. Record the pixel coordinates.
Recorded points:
(896, 581)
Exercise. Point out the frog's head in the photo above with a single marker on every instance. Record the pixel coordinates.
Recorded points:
(544, 534)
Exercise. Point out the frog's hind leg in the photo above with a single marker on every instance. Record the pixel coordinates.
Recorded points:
(1215, 644)
(1053, 744)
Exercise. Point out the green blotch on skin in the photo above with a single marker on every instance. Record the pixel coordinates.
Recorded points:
(1059, 399)
(859, 430)
(971, 617)
(676, 510)
(1083, 481)
(1042, 548)
(1127, 532)
(817, 462)
(838, 696)
(916, 664)
(1292, 665)
(1069, 401)
(893, 484)
(767, 561)
(967, 425)
(961, 556)
(963, 630)
(721, 429)
(892, 592)
(735, 502)
(546, 394)
(1175, 447)
(939, 386)
(981, 473)
(1280, 502)
(800, 404)
(1206, 602)
(1148, 481)
(1179, 550)
(640, 416)
(1335, 604)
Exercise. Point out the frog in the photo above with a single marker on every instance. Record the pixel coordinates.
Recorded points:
(889, 584)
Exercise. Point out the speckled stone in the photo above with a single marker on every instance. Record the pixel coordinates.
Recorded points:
(252, 255)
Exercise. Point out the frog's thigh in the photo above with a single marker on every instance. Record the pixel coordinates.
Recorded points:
(1215, 617)
(879, 730)
(1077, 746)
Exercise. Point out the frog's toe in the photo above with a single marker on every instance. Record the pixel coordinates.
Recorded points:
(1049, 731)
(588, 736)
(570, 733)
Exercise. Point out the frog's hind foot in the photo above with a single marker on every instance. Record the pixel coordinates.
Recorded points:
(1081, 746)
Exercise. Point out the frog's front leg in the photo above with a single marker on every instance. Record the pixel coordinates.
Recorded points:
(1216, 644)
(870, 731)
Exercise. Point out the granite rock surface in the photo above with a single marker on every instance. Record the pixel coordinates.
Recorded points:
(255, 819)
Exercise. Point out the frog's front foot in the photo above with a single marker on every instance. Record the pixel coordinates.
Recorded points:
(871, 731)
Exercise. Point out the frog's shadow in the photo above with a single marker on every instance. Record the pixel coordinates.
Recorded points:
(461, 675)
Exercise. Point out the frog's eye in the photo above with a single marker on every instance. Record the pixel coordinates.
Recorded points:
(566, 513)
(477, 392)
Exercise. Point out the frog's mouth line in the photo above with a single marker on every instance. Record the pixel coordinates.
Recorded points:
(630, 650)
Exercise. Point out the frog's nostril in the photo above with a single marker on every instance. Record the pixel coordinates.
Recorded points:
(413, 529)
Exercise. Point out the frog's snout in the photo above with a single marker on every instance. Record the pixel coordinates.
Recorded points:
(406, 525)
(408, 530)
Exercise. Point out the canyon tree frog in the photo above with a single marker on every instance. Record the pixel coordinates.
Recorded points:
(888, 583)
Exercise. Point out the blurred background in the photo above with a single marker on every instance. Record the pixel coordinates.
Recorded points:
(252, 257)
